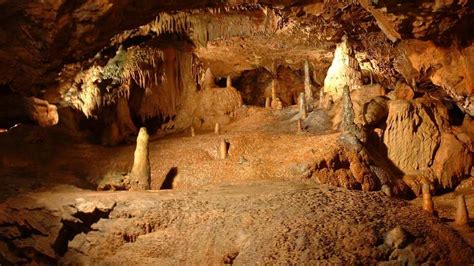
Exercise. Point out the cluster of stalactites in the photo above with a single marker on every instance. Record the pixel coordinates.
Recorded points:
(342, 1)
(143, 66)
(82, 89)
(204, 25)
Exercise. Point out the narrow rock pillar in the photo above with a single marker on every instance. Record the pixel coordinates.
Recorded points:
(428, 204)
(140, 175)
(462, 215)
(302, 106)
(307, 83)
(223, 150)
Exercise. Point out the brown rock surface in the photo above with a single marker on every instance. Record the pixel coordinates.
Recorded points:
(453, 161)
(278, 223)
(412, 135)
(403, 92)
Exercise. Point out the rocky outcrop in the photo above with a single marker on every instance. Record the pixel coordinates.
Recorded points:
(412, 135)
(450, 68)
(422, 144)
(453, 161)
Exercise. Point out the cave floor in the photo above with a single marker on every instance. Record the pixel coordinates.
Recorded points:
(261, 204)
(261, 222)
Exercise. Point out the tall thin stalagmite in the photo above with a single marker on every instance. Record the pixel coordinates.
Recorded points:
(307, 84)
(274, 97)
(302, 106)
(428, 204)
(299, 126)
(223, 149)
(140, 174)
(268, 102)
(462, 215)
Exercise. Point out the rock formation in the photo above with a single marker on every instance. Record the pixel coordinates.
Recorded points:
(316, 98)
(140, 174)
(411, 126)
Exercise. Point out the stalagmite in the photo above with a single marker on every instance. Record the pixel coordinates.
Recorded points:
(268, 104)
(217, 129)
(387, 190)
(299, 126)
(347, 124)
(228, 82)
(428, 204)
(462, 215)
(223, 150)
(193, 132)
(209, 79)
(302, 106)
(307, 84)
(274, 98)
(140, 174)
(278, 104)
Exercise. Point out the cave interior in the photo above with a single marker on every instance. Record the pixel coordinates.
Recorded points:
(236, 132)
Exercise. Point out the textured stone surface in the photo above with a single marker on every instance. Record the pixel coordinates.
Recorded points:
(453, 161)
(258, 223)
(412, 135)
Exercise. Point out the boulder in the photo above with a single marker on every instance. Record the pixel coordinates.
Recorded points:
(412, 136)
(403, 92)
(453, 161)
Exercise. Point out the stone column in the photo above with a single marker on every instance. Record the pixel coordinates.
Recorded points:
(140, 176)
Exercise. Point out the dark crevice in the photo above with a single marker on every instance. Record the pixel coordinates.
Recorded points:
(169, 179)
(83, 224)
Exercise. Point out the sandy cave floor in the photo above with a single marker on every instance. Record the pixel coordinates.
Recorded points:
(259, 205)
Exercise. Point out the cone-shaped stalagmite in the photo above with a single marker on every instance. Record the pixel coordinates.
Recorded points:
(140, 174)
(228, 82)
(462, 215)
(302, 106)
(217, 128)
(193, 132)
(299, 126)
(268, 102)
(307, 83)
(428, 204)
(223, 150)
(209, 79)
(274, 98)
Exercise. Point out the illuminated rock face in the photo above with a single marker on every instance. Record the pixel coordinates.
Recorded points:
(344, 71)
(412, 136)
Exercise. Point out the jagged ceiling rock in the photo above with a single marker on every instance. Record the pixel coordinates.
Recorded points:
(38, 37)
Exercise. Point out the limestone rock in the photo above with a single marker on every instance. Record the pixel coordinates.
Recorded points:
(453, 161)
(412, 135)
(466, 184)
(344, 71)
(140, 174)
(403, 92)
(375, 111)
(397, 238)
(415, 182)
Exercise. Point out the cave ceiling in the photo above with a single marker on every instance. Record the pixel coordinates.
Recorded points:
(37, 38)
